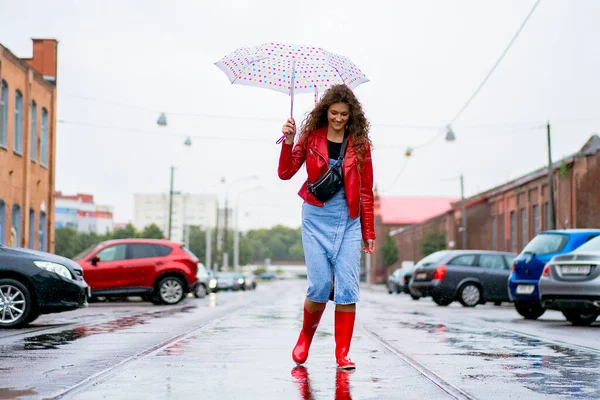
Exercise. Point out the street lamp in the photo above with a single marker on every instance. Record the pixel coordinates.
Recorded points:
(450, 136)
(225, 234)
(162, 121)
(236, 235)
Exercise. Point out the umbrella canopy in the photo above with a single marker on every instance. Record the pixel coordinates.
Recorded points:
(290, 68)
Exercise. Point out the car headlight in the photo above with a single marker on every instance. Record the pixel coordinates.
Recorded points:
(212, 283)
(54, 267)
(240, 281)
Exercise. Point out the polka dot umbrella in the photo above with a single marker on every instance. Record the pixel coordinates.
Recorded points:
(290, 69)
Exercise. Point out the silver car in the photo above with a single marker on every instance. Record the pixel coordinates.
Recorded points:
(571, 283)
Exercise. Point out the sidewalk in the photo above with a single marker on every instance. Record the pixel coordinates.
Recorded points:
(247, 355)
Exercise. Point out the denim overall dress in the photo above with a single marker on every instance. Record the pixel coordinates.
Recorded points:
(332, 244)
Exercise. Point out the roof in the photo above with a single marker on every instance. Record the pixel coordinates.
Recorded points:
(572, 231)
(412, 210)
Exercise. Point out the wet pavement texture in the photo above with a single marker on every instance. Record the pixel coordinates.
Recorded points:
(238, 346)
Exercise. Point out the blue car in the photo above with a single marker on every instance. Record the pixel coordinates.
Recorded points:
(528, 266)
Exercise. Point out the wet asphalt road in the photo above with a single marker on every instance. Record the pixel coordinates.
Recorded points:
(237, 346)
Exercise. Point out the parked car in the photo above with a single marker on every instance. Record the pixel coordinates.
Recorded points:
(394, 281)
(571, 283)
(35, 282)
(250, 281)
(160, 271)
(528, 266)
(470, 276)
(267, 276)
(201, 288)
(229, 281)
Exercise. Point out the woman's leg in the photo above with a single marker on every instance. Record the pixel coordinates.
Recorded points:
(313, 312)
(344, 328)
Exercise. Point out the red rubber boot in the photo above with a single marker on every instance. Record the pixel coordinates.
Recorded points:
(344, 327)
(309, 327)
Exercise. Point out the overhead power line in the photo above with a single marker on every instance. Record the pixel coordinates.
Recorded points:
(512, 41)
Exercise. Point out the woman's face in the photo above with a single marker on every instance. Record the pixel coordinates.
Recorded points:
(338, 115)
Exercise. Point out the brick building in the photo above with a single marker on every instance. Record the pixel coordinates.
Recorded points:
(506, 217)
(28, 146)
(394, 213)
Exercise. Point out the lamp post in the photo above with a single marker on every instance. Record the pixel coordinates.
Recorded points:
(551, 210)
(225, 233)
(162, 121)
(236, 234)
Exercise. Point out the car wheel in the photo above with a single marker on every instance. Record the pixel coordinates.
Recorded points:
(200, 292)
(580, 318)
(414, 296)
(498, 303)
(170, 290)
(529, 309)
(442, 301)
(16, 304)
(469, 295)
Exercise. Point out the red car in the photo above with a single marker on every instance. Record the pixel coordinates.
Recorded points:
(161, 271)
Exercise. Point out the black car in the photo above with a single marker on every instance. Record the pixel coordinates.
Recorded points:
(34, 282)
(469, 276)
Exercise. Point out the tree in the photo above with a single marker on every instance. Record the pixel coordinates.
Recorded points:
(65, 242)
(151, 232)
(389, 251)
(432, 242)
(124, 233)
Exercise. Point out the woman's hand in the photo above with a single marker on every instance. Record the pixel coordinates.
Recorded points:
(289, 130)
(369, 246)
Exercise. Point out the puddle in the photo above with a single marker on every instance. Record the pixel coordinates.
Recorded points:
(303, 384)
(542, 367)
(7, 393)
(52, 341)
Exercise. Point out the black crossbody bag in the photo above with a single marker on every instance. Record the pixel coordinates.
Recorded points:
(331, 181)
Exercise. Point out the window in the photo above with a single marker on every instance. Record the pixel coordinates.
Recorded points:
(18, 145)
(593, 244)
(2, 221)
(44, 139)
(3, 114)
(15, 232)
(509, 260)
(31, 228)
(546, 243)
(33, 146)
(464, 260)
(141, 250)
(536, 220)
(513, 231)
(494, 232)
(523, 227)
(162, 250)
(113, 253)
(42, 232)
(491, 261)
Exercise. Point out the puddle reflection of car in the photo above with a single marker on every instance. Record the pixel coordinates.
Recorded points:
(570, 283)
(34, 282)
(470, 276)
(528, 266)
(229, 281)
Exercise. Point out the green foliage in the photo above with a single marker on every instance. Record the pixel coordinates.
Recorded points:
(152, 232)
(433, 242)
(259, 271)
(563, 170)
(389, 251)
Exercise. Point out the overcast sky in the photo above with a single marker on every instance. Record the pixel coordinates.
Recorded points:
(424, 58)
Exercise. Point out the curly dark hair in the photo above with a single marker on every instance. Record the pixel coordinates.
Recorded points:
(358, 126)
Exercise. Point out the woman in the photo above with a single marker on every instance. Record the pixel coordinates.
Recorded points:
(332, 230)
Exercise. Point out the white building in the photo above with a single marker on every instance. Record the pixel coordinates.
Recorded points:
(80, 213)
(188, 210)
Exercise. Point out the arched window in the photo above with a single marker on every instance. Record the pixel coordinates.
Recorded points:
(15, 230)
(42, 233)
(2, 222)
(3, 114)
(31, 228)
(18, 146)
(44, 139)
(33, 146)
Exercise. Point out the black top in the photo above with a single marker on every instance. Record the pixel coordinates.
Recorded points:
(334, 148)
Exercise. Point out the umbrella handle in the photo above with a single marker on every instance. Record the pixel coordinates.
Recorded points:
(293, 82)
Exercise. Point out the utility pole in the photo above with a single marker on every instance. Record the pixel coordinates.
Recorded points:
(225, 232)
(208, 249)
(463, 212)
(551, 211)
(170, 204)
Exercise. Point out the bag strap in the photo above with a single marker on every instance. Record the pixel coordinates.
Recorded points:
(342, 151)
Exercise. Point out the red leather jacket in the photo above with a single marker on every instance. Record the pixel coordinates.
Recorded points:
(358, 184)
